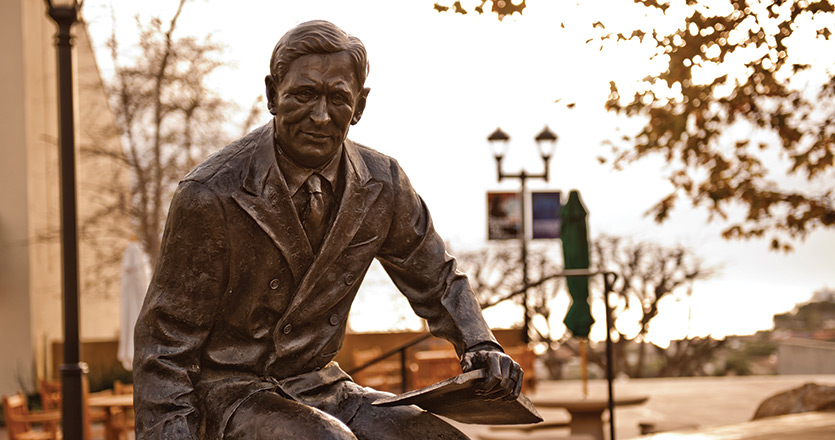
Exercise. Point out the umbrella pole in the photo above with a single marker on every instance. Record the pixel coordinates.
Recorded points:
(610, 362)
(584, 367)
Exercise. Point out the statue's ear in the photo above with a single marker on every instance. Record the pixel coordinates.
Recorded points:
(271, 98)
(360, 107)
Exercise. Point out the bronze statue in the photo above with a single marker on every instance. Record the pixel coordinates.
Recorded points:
(264, 249)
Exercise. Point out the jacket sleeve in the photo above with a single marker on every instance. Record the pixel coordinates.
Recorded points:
(415, 258)
(179, 311)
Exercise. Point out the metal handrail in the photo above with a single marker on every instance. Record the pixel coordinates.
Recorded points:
(609, 279)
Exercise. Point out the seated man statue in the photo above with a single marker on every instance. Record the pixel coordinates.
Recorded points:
(265, 246)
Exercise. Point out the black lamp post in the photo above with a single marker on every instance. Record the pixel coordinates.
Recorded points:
(546, 141)
(65, 14)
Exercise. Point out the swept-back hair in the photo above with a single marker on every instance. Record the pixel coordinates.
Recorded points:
(317, 37)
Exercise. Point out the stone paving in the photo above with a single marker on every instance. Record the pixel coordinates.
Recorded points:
(677, 403)
(723, 403)
(805, 426)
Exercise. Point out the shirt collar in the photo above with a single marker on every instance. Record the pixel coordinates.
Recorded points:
(295, 175)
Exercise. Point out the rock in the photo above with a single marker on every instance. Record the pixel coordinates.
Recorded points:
(809, 397)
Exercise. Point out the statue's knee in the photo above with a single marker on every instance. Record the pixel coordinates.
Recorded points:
(278, 428)
(331, 433)
(270, 416)
(403, 423)
(315, 425)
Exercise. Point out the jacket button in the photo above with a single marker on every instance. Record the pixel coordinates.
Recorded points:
(274, 284)
(349, 279)
(334, 319)
(288, 328)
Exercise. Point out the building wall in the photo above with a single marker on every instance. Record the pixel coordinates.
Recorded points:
(40, 106)
(15, 330)
(798, 356)
(30, 251)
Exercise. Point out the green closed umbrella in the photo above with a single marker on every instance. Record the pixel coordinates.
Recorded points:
(575, 250)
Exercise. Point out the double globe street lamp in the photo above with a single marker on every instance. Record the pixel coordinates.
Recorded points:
(546, 142)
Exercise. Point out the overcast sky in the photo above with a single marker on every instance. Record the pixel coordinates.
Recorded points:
(440, 83)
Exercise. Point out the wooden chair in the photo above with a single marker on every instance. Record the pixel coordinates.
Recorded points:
(50, 391)
(527, 360)
(122, 388)
(122, 421)
(19, 420)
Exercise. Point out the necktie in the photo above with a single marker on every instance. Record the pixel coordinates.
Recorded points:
(314, 223)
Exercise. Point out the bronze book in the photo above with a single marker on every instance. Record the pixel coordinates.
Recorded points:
(456, 399)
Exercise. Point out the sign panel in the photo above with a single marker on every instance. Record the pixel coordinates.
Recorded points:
(545, 210)
(504, 215)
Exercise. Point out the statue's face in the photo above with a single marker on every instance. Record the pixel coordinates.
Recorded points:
(314, 105)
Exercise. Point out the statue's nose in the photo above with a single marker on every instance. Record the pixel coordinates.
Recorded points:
(320, 115)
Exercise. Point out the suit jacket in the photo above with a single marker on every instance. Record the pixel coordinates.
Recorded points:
(239, 302)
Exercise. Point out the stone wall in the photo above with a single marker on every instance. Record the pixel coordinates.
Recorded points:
(806, 356)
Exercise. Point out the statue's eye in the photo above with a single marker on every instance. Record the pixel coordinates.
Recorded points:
(304, 95)
(340, 99)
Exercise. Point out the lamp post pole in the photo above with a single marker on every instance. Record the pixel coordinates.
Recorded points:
(72, 369)
(546, 140)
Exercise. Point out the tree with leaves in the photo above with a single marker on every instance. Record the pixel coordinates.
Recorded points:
(742, 109)
(739, 83)
(501, 8)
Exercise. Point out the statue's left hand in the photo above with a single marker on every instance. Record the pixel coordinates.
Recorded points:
(504, 375)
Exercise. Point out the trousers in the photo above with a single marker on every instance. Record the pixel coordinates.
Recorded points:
(336, 411)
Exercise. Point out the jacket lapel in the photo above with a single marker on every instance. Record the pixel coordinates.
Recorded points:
(360, 193)
(267, 200)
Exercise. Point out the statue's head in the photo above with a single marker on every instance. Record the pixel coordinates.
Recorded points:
(315, 90)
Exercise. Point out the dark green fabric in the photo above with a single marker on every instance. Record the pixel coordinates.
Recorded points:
(575, 250)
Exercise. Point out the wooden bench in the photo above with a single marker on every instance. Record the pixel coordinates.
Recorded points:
(384, 375)
(432, 366)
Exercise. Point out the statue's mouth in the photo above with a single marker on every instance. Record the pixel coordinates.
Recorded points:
(316, 136)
